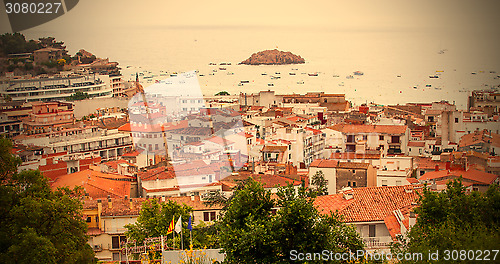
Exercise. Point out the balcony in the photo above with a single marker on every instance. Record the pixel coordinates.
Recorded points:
(98, 248)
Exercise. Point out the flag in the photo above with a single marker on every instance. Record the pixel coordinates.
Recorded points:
(171, 226)
(178, 225)
(190, 227)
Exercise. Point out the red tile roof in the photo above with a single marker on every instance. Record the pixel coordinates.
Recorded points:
(416, 144)
(369, 203)
(96, 184)
(323, 163)
(160, 173)
(469, 175)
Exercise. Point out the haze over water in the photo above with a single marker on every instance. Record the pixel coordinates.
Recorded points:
(383, 40)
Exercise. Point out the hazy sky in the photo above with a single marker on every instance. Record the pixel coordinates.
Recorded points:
(456, 15)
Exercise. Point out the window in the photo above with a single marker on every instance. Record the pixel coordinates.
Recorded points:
(89, 219)
(371, 231)
(348, 183)
(115, 242)
(384, 182)
(353, 184)
(456, 119)
(381, 137)
(208, 216)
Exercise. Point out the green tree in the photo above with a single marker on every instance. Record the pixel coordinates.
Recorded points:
(250, 233)
(38, 225)
(319, 184)
(222, 93)
(155, 218)
(454, 220)
(78, 96)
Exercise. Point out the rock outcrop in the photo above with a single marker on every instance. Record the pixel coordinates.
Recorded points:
(273, 57)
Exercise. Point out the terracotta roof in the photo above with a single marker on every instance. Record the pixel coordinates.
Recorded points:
(384, 129)
(198, 131)
(269, 148)
(315, 131)
(369, 203)
(96, 184)
(114, 163)
(480, 137)
(134, 153)
(470, 175)
(160, 173)
(394, 226)
(353, 155)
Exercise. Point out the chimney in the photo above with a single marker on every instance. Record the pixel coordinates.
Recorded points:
(131, 204)
(110, 204)
(192, 197)
(412, 220)
(436, 168)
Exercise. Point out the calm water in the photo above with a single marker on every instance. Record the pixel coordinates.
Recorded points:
(381, 55)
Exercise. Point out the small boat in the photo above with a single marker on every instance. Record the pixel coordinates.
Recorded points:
(438, 88)
(313, 74)
(240, 84)
(214, 70)
(493, 72)
(223, 63)
(275, 77)
(399, 76)
(163, 74)
(277, 73)
(244, 81)
(211, 73)
(358, 73)
(230, 73)
(270, 84)
(211, 63)
(222, 69)
(201, 75)
(433, 76)
(294, 69)
(415, 87)
(341, 84)
(228, 63)
(301, 82)
(473, 73)
(439, 71)
(428, 85)
(128, 66)
(336, 76)
(291, 73)
(349, 77)
(173, 75)
(263, 73)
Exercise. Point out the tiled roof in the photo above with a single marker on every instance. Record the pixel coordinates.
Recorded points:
(160, 173)
(383, 129)
(219, 140)
(480, 137)
(267, 180)
(393, 224)
(96, 184)
(353, 155)
(428, 163)
(471, 175)
(369, 203)
(315, 131)
(269, 148)
(114, 163)
(134, 153)
(195, 131)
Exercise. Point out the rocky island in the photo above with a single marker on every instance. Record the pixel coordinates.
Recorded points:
(273, 57)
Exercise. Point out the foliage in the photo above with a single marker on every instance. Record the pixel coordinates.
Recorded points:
(16, 43)
(222, 93)
(78, 96)
(250, 233)
(155, 218)
(319, 184)
(38, 225)
(455, 220)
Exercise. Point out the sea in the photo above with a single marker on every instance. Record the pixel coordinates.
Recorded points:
(396, 64)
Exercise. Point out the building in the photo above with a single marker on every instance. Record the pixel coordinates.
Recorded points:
(344, 174)
(369, 209)
(47, 55)
(58, 87)
(473, 179)
(388, 139)
(48, 117)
